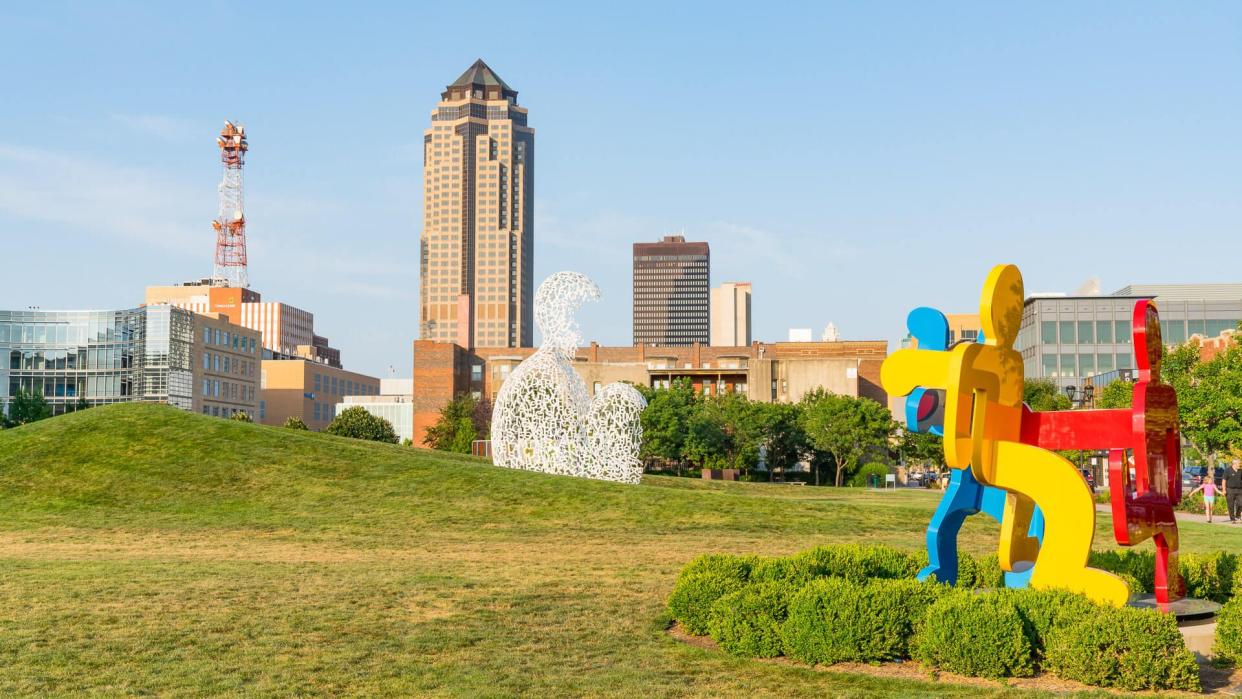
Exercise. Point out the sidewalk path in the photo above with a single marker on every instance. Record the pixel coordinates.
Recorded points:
(1184, 516)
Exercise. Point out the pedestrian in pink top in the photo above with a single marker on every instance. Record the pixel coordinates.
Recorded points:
(1209, 494)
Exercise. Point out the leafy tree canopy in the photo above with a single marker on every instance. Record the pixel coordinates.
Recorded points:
(357, 423)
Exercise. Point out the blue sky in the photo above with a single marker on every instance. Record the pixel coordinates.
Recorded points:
(851, 160)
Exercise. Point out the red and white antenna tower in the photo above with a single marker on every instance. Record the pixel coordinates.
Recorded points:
(230, 224)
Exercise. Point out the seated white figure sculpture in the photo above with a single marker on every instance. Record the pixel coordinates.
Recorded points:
(544, 418)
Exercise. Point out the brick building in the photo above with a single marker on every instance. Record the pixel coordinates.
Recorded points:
(767, 372)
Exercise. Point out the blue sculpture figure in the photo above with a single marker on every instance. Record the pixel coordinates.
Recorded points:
(964, 496)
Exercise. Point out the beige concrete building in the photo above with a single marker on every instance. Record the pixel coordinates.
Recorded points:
(287, 331)
(226, 366)
(307, 390)
(730, 304)
(767, 372)
(477, 247)
(672, 283)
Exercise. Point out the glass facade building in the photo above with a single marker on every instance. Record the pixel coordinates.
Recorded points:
(93, 358)
(1070, 339)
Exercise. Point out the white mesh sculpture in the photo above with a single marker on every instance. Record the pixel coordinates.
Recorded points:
(544, 419)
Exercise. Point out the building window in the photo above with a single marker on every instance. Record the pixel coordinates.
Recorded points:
(1086, 332)
(206, 360)
(1106, 363)
(1068, 367)
(1086, 364)
(262, 409)
(476, 372)
(1048, 332)
(1104, 332)
(1050, 366)
(1123, 334)
(1067, 333)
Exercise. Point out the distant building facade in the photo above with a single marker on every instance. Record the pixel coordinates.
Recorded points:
(197, 362)
(1069, 339)
(476, 264)
(307, 390)
(672, 281)
(394, 403)
(287, 331)
(730, 306)
(766, 372)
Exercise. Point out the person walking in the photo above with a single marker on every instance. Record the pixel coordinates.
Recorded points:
(1208, 486)
(1233, 490)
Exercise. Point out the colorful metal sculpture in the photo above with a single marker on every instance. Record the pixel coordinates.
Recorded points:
(982, 432)
(964, 495)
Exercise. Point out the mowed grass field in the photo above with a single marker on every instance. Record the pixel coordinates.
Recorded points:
(147, 551)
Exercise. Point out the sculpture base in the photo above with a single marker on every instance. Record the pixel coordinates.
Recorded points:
(1186, 609)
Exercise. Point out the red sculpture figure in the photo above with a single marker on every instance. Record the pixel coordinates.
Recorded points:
(1142, 502)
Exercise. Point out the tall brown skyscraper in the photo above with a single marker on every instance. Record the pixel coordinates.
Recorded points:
(477, 245)
(672, 282)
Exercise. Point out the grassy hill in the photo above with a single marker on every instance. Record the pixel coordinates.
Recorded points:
(146, 550)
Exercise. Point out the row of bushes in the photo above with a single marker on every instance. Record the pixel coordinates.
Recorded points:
(1215, 576)
(861, 604)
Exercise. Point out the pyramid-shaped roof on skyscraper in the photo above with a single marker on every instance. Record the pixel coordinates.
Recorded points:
(480, 80)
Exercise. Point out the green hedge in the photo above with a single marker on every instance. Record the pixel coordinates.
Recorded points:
(702, 582)
(1127, 648)
(861, 603)
(748, 622)
(862, 479)
(837, 620)
(1047, 613)
(980, 635)
(1228, 644)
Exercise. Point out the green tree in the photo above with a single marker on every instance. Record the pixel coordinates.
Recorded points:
(781, 432)
(846, 428)
(1209, 401)
(357, 423)
(26, 407)
(666, 421)
(457, 427)
(241, 416)
(1118, 394)
(294, 422)
(1042, 394)
(706, 442)
(922, 448)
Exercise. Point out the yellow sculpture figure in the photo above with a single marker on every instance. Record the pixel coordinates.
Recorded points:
(982, 431)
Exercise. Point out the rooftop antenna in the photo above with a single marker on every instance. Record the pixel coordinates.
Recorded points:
(230, 223)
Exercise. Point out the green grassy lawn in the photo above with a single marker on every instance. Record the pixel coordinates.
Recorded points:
(145, 550)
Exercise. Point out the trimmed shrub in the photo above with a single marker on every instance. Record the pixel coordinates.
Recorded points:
(988, 573)
(1127, 648)
(980, 635)
(1047, 613)
(1228, 645)
(853, 562)
(836, 620)
(1132, 565)
(748, 622)
(1209, 575)
(865, 475)
(703, 581)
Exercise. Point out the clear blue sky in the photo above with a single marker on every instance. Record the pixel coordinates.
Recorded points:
(851, 161)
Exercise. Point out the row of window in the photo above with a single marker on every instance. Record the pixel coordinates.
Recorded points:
(343, 387)
(228, 390)
(1069, 365)
(222, 363)
(216, 336)
(223, 411)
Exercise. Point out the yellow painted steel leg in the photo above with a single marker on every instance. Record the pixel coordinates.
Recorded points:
(1069, 521)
